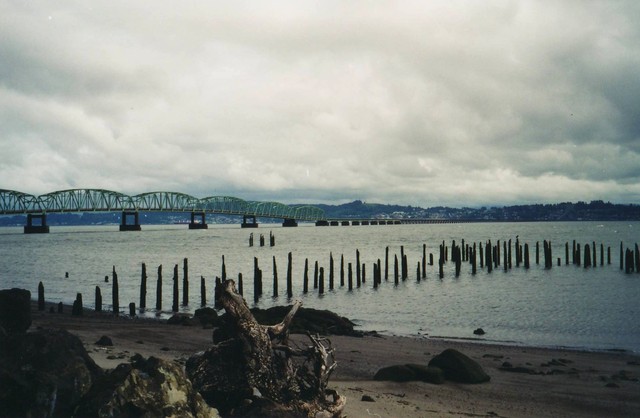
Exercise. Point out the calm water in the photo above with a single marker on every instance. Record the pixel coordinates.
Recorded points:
(596, 308)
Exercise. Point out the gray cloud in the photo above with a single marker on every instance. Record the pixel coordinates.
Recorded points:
(422, 103)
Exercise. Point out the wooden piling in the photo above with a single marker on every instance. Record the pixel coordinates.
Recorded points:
(601, 254)
(185, 282)
(256, 280)
(224, 270)
(275, 278)
(537, 253)
(395, 269)
(143, 287)
(431, 259)
(341, 270)
(386, 264)
(608, 255)
(272, 239)
(251, 239)
(424, 261)
(159, 289)
(364, 274)
(587, 256)
(203, 292)
(526, 255)
(305, 279)
(240, 285)
(594, 258)
(289, 276)
(330, 271)
(217, 290)
(358, 267)
(98, 300)
(441, 268)
(315, 275)
(176, 289)
(132, 309)
(481, 258)
(418, 273)
(488, 252)
(505, 254)
(41, 297)
(321, 282)
(573, 252)
(578, 256)
(115, 296)
(474, 261)
(350, 277)
(375, 275)
(77, 308)
(621, 257)
(566, 252)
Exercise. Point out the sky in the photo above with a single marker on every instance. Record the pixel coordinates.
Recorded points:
(424, 103)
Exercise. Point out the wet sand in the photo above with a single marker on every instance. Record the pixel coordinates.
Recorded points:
(566, 383)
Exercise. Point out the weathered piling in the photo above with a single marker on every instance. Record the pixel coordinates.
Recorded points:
(275, 278)
(272, 239)
(251, 239)
(40, 296)
(331, 271)
(379, 272)
(262, 240)
(364, 273)
(637, 257)
(132, 309)
(594, 259)
(548, 255)
(405, 268)
(185, 282)
(573, 251)
(505, 254)
(566, 252)
(587, 256)
(257, 285)
(578, 256)
(537, 253)
(608, 255)
(321, 281)
(481, 257)
(224, 270)
(350, 277)
(315, 275)
(176, 289)
(159, 289)
(98, 300)
(488, 252)
(418, 273)
(358, 267)
(386, 263)
(526, 255)
(395, 269)
(496, 255)
(305, 278)
(601, 254)
(77, 308)
(289, 276)
(441, 268)
(629, 264)
(474, 262)
(115, 296)
(376, 272)
(424, 260)
(457, 258)
(217, 291)
(431, 259)
(341, 270)
(203, 291)
(143, 287)
(621, 257)
(240, 285)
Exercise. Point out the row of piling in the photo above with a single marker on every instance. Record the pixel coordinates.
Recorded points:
(488, 255)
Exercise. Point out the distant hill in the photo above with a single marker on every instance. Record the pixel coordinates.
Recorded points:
(596, 210)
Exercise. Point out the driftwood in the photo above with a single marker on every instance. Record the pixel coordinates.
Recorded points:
(256, 372)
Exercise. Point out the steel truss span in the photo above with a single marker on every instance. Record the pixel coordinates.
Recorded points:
(99, 200)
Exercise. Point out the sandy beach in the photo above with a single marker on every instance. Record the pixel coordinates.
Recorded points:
(551, 382)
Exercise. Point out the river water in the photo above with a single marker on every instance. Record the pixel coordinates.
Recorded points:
(565, 306)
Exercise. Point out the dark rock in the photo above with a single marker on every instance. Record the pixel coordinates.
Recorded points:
(15, 310)
(44, 373)
(428, 374)
(181, 319)
(146, 387)
(479, 331)
(206, 316)
(397, 373)
(367, 398)
(315, 321)
(457, 367)
(104, 341)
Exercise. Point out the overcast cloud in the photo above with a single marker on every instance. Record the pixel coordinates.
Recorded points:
(459, 103)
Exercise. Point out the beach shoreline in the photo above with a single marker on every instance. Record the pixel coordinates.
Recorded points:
(549, 381)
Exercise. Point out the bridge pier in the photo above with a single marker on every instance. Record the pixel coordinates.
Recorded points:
(41, 228)
(246, 224)
(289, 222)
(124, 226)
(198, 225)
(322, 223)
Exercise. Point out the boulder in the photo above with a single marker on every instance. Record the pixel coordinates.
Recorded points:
(105, 341)
(315, 321)
(457, 367)
(208, 317)
(15, 310)
(428, 374)
(147, 387)
(44, 373)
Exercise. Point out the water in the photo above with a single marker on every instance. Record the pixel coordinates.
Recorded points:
(568, 306)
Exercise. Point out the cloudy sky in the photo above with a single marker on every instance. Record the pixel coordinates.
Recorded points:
(426, 103)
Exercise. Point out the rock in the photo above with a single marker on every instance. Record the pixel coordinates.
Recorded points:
(104, 341)
(479, 331)
(206, 316)
(428, 374)
(457, 367)
(367, 398)
(315, 321)
(146, 387)
(44, 373)
(181, 319)
(15, 310)
(397, 373)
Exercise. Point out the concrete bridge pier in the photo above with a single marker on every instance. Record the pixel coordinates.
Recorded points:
(198, 225)
(247, 224)
(39, 228)
(124, 226)
(322, 223)
(289, 222)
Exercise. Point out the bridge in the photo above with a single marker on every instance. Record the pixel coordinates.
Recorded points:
(99, 200)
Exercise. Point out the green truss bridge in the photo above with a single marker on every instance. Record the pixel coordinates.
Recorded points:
(98, 200)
